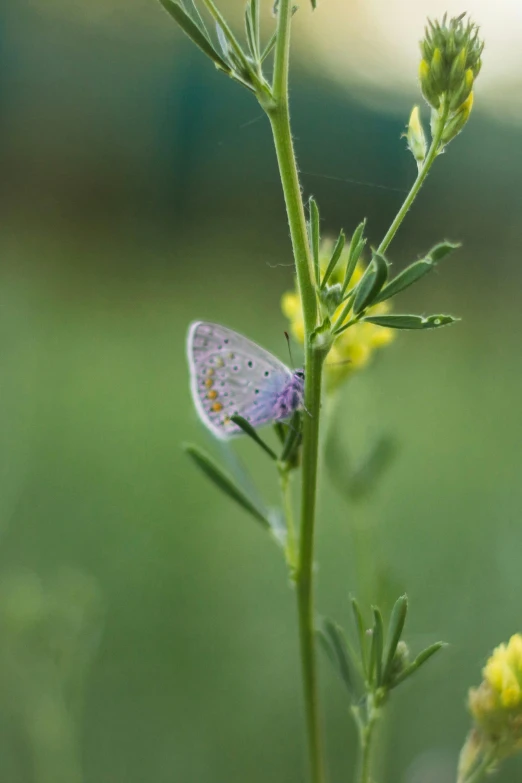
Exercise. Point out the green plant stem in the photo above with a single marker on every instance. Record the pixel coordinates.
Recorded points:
(305, 573)
(291, 540)
(421, 176)
(279, 115)
(366, 741)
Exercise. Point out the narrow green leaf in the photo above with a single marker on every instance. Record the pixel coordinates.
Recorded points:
(376, 648)
(396, 627)
(348, 303)
(441, 250)
(357, 235)
(256, 24)
(416, 270)
(404, 279)
(357, 243)
(361, 634)
(371, 283)
(270, 45)
(196, 16)
(335, 643)
(314, 237)
(223, 41)
(224, 482)
(353, 260)
(395, 321)
(194, 32)
(273, 38)
(424, 656)
(250, 33)
(251, 432)
(336, 255)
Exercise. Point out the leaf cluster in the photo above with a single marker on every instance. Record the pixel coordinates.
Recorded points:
(379, 661)
(242, 62)
(347, 303)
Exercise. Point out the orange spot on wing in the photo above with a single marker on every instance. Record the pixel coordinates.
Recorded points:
(212, 394)
(217, 407)
(209, 382)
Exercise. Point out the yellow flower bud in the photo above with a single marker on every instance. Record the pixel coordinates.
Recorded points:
(416, 137)
(451, 60)
(459, 119)
(436, 71)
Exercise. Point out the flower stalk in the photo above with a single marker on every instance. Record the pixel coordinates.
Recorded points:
(279, 115)
(424, 168)
(366, 744)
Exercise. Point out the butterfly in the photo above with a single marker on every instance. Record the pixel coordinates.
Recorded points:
(232, 376)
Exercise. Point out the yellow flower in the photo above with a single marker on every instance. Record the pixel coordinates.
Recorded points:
(503, 672)
(496, 705)
(354, 347)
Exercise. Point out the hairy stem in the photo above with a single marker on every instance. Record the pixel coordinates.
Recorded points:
(421, 176)
(305, 573)
(366, 737)
(279, 115)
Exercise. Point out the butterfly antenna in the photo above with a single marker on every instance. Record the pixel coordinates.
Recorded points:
(290, 350)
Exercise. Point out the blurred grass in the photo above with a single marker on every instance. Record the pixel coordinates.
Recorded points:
(197, 677)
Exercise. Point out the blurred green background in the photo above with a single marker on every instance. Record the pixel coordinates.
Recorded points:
(147, 627)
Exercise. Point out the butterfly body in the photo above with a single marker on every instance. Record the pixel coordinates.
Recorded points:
(231, 375)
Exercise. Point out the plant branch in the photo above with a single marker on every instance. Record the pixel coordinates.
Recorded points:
(279, 115)
(305, 574)
(421, 176)
(366, 741)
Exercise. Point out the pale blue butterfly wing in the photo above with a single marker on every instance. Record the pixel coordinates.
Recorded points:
(231, 375)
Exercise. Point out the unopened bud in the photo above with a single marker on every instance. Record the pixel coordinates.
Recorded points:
(454, 126)
(461, 95)
(458, 69)
(416, 137)
(427, 87)
(450, 51)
